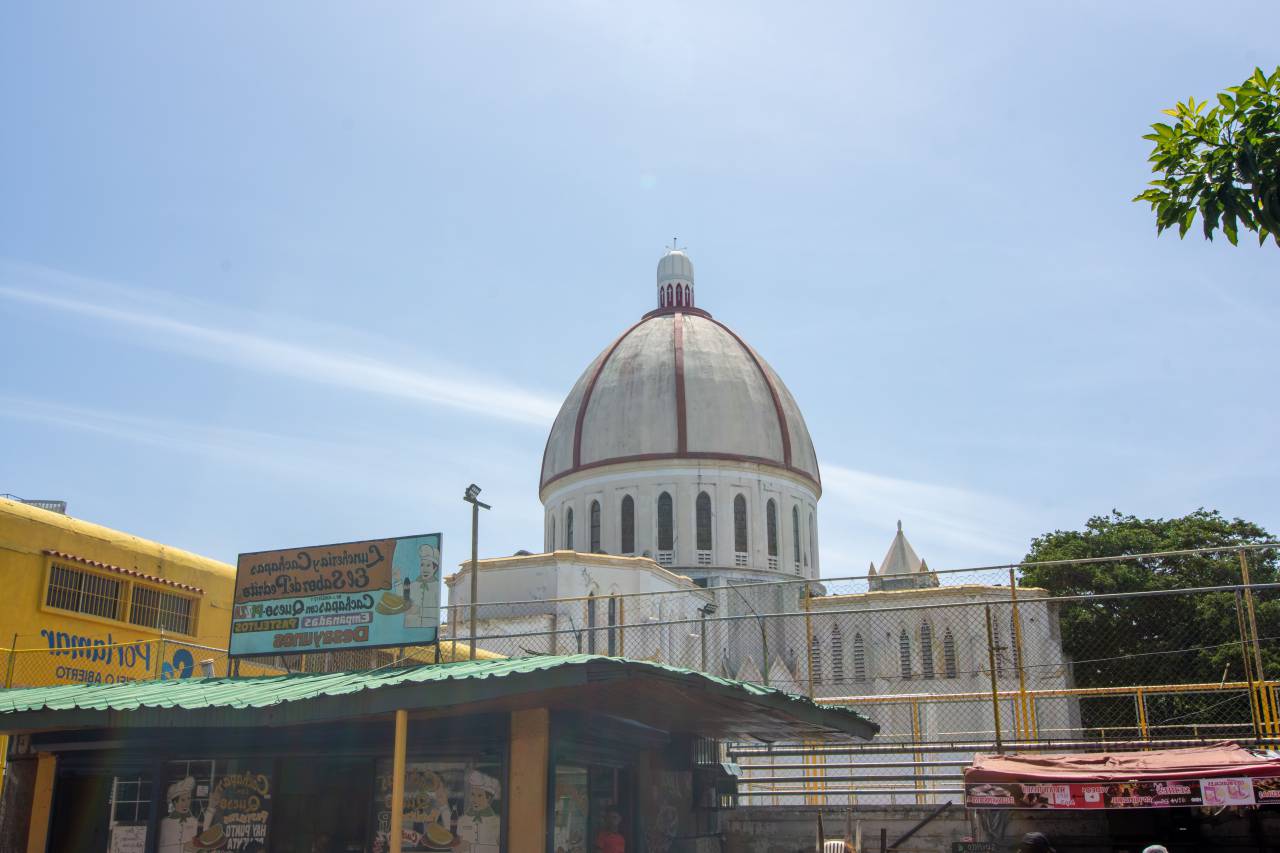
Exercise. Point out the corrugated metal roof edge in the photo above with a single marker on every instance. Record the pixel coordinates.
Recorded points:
(195, 701)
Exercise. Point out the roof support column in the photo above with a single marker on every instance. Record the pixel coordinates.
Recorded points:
(41, 803)
(397, 781)
(529, 771)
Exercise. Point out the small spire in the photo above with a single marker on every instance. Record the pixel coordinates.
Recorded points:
(872, 572)
(899, 525)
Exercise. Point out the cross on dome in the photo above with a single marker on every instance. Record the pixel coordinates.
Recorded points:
(675, 278)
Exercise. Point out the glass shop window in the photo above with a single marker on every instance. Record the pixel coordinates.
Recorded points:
(592, 810)
(216, 804)
(449, 805)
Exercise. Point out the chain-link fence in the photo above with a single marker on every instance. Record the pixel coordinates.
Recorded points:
(946, 663)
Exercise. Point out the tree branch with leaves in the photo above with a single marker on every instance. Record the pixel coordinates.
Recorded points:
(1222, 163)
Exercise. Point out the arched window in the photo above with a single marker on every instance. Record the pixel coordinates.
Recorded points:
(837, 655)
(551, 539)
(595, 527)
(815, 660)
(904, 653)
(740, 524)
(591, 624)
(666, 526)
(771, 526)
(795, 536)
(703, 509)
(949, 654)
(1015, 646)
(926, 650)
(568, 528)
(613, 625)
(688, 296)
(662, 298)
(859, 658)
(628, 525)
(813, 544)
(999, 647)
(679, 296)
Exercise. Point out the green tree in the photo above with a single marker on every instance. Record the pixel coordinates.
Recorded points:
(1165, 639)
(1223, 163)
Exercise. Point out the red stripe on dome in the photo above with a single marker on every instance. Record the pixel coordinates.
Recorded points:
(773, 392)
(586, 396)
(689, 454)
(682, 423)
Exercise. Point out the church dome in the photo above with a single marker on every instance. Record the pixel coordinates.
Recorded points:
(679, 384)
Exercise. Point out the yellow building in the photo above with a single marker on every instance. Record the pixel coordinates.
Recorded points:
(85, 603)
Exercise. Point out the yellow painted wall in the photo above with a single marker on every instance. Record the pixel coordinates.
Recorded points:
(79, 647)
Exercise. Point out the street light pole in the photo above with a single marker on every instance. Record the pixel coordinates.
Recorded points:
(472, 497)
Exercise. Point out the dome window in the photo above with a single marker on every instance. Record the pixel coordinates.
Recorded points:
(595, 527)
(666, 530)
(740, 557)
(568, 528)
(628, 525)
(771, 532)
(703, 513)
(795, 536)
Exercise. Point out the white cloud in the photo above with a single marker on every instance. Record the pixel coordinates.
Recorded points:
(950, 526)
(226, 344)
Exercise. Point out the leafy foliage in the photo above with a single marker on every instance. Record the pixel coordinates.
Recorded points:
(1165, 639)
(1223, 163)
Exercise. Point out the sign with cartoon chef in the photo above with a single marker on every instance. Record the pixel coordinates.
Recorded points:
(480, 829)
(378, 592)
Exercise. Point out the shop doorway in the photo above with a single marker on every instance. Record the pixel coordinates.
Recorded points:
(591, 801)
(323, 806)
(81, 812)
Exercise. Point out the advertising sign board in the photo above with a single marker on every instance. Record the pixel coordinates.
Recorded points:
(353, 595)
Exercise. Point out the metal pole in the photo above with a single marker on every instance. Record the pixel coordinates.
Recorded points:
(13, 653)
(703, 636)
(397, 781)
(1248, 668)
(764, 642)
(1024, 728)
(995, 687)
(1264, 692)
(808, 638)
(475, 574)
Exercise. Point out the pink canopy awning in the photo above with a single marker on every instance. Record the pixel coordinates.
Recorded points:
(1220, 774)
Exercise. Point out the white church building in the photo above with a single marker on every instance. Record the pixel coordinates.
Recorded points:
(680, 464)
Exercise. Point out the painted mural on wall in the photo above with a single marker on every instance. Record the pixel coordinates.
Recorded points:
(380, 592)
(216, 808)
(448, 805)
(98, 658)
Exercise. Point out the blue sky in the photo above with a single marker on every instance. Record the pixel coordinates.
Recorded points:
(298, 273)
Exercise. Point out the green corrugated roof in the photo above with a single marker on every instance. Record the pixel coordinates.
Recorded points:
(314, 697)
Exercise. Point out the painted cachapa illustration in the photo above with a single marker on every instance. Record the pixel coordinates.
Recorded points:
(378, 592)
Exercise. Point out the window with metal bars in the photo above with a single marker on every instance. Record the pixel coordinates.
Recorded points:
(154, 608)
(837, 655)
(666, 526)
(949, 654)
(740, 524)
(703, 512)
(771, 526)
(595, 527)
(628, 525)
(904, 653)
(859, 658)
(84, 592)
(926, 650)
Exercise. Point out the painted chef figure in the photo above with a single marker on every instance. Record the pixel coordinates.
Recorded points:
(180, 826)
(481, 827)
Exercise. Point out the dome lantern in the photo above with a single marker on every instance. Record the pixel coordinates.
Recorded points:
(675, 279)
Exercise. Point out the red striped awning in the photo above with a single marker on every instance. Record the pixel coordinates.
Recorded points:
(98, 564)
